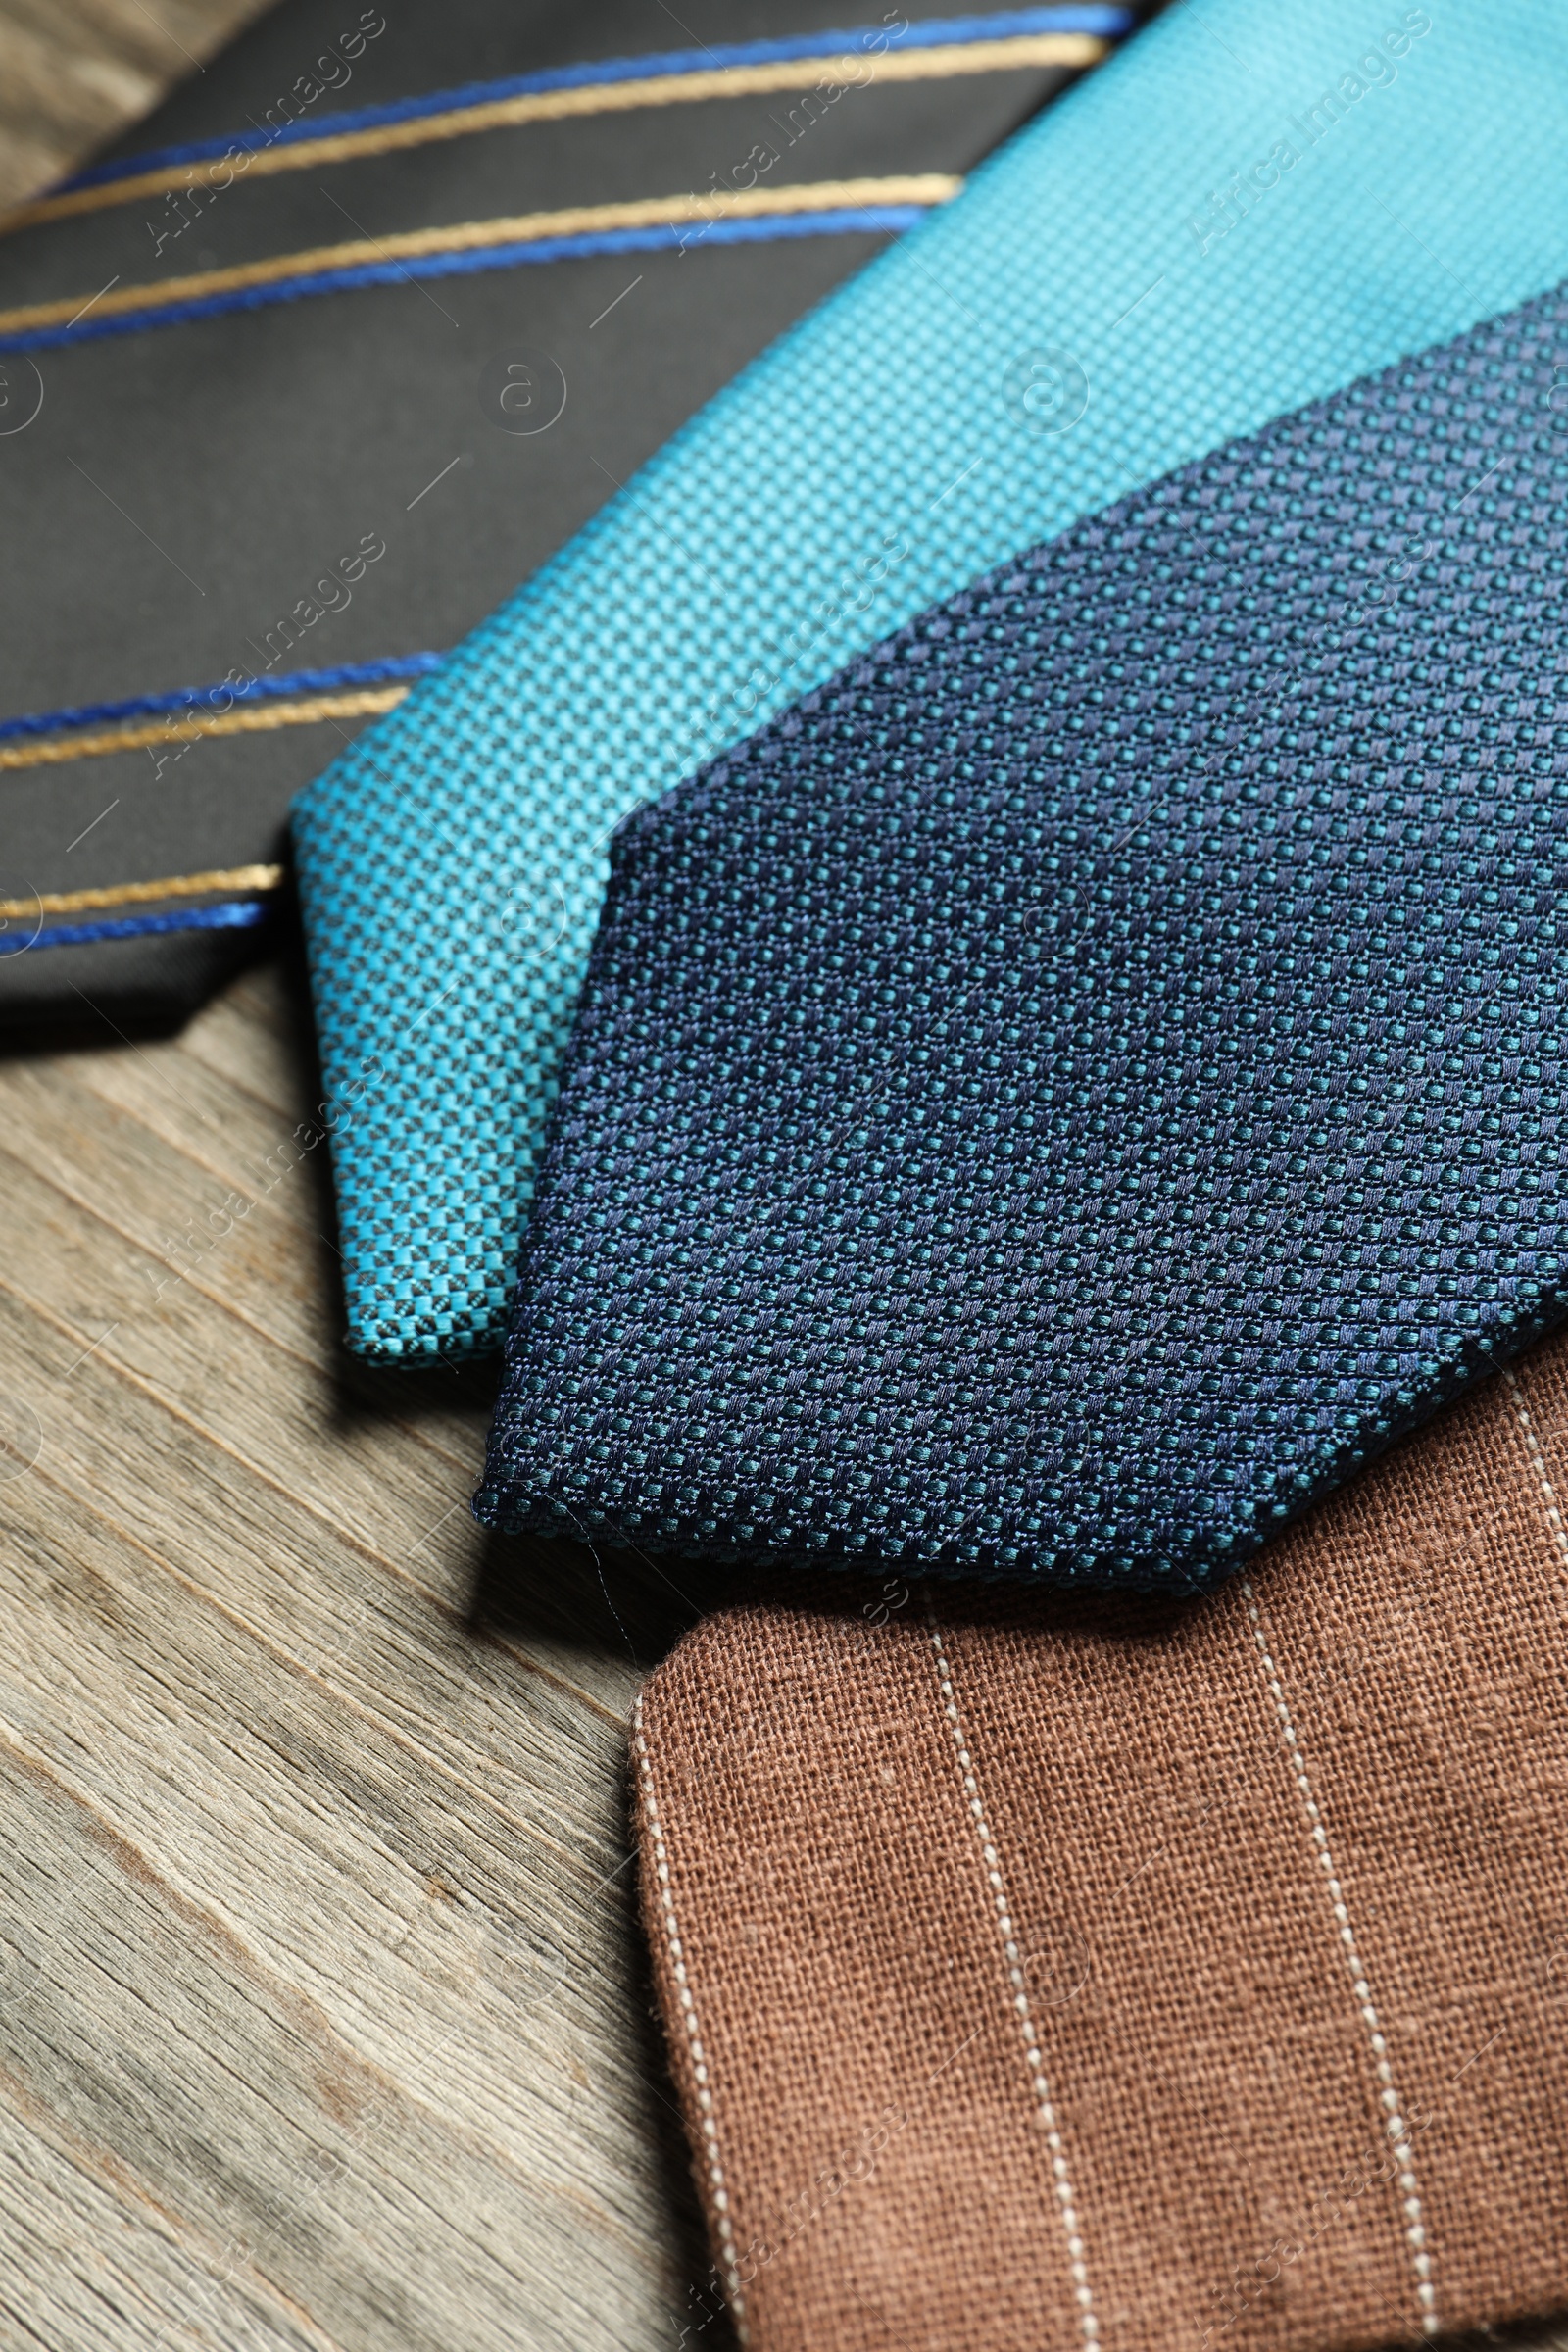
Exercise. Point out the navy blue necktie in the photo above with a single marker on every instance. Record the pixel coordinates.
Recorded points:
(1068, 1092)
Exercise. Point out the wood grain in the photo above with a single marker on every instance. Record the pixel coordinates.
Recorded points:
(323, 2015)
(72, 72)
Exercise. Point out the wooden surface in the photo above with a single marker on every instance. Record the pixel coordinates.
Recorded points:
(322, 2013)
(72, 72)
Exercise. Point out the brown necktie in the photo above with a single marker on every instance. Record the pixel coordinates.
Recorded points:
(1041, 1975)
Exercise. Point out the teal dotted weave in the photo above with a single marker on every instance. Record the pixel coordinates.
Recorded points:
(1093, 311)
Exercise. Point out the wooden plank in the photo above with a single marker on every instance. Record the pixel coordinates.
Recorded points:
(259, 1034)
(181, 1162)
(224, 2098)
(477, 1709)
(214, 1758)
(323, 2015)
(389, 1493)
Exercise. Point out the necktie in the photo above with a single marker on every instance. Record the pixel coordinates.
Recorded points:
(351, 338)
(1245, 210)
(1063, 1097)
(1043, 1973)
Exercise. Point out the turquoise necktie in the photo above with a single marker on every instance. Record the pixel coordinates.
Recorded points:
(1246, 209)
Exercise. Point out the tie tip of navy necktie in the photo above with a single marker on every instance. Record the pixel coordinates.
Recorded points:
(1068, 1096)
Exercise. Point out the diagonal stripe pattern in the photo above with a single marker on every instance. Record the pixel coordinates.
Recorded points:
(919, 53)
(892, 202)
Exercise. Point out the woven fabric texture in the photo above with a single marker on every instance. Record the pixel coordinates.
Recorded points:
(1087, 316)
(341, 493)
(1074, 1973)
(1056, 1102)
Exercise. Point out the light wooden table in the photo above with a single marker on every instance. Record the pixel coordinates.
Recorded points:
(323, 2012)
(72, 72)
